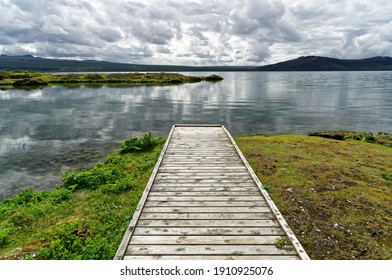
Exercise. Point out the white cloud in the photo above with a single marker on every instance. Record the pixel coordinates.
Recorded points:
(200, 32)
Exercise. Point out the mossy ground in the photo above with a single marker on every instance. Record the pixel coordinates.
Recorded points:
(31, 80)
(335, 195)
(83, 219)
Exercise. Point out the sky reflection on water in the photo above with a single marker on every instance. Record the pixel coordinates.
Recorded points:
(45, 132)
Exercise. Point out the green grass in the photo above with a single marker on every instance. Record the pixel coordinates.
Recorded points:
(31, 80)
(335, 195)
(86, 217)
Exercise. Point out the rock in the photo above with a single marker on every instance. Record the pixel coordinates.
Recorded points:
(338, 226)
(213, 78)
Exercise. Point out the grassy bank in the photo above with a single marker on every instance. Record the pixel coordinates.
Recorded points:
(335, 195)
(31, 80)
(87, 216)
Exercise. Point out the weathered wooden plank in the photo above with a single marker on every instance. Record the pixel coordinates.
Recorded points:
(205, 203)
(206, 184)
(206, 209)
(201, 150)
(209, 169)
(211, 156)
(208, 231)
(204, 174)
(206, 250)
(208, 240)
(203, 167)
(204, 193)
(199, 165)
(204, 198)
(207, 150)
(212, 257)
(202, 160)
(204, 216)
(206, 159)
(207, 162)
(208, 223)
(200, 153)
(203, 180)
(219, 178)
(197, 188)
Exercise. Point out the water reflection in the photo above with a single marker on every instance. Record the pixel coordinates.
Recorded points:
(44, 132)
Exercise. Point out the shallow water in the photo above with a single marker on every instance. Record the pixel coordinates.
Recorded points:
(45, 132)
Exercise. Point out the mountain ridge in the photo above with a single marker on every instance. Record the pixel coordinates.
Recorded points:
(40, 64)
(303, 63)
(320, 63)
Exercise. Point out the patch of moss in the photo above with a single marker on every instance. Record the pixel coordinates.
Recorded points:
(335, 195)
(85, 218)
(27, 80)
(382, 138)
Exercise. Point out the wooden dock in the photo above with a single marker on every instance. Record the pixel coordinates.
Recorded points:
(203, 201)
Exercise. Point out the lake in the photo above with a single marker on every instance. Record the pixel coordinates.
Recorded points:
(45, 132)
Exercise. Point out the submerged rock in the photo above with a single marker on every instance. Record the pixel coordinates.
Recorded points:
(213, 78)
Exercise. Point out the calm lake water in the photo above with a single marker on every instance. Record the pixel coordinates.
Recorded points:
(45, 132)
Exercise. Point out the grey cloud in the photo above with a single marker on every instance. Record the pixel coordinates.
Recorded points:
(203, 55)
(163, 50)
(263, 19)
(242, 24)
(109, 34)
(267, 13)
(197, 34)
(4, 40)
(153, 33)
(195, 31)
(194, 8)
(154, 25)
(359, 45)
(259, 51)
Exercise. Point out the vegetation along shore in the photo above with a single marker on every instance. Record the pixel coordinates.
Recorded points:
(336, 196)
(31, 80)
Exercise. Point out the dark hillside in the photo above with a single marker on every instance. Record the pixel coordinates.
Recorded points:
(319, 63)
(39, 64)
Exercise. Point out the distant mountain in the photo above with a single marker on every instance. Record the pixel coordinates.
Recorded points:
(319, 63)
(32, 63)
(304, 63)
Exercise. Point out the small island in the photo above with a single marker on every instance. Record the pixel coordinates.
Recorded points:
(30, 80)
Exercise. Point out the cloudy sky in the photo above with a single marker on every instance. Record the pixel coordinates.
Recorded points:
(196, 32)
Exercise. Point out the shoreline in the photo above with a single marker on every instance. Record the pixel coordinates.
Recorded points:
(323, 187)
